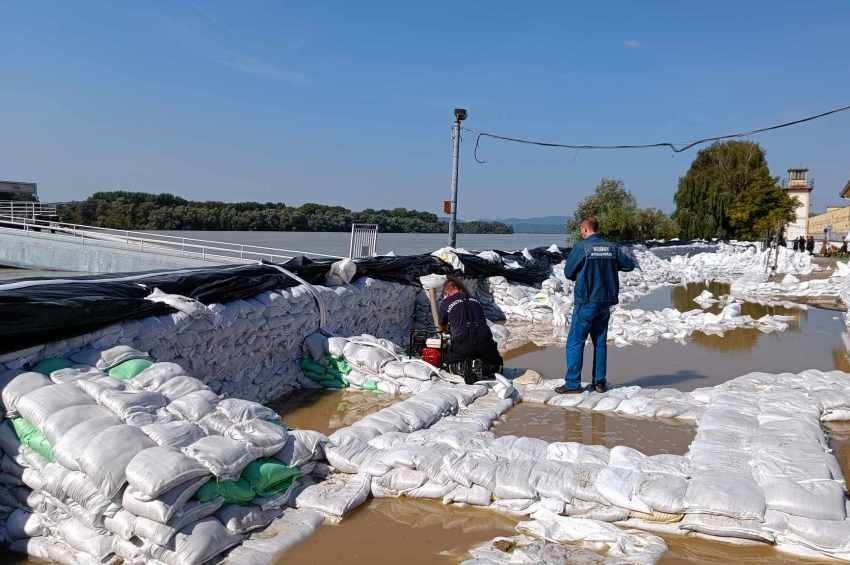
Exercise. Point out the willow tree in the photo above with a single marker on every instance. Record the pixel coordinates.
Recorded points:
(728, 193)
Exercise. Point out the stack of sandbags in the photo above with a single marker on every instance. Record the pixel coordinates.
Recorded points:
(248, 348)
(132, 459)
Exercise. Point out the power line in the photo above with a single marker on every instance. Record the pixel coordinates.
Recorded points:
(671, 146)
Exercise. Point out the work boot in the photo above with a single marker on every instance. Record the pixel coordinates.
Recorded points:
(599, 387)
(564, 390)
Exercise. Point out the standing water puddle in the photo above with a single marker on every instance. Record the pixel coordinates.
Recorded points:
(814, 340)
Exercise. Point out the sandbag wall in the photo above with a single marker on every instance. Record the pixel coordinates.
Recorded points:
(248, 348)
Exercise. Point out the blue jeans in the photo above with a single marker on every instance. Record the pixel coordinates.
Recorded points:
(588, 319)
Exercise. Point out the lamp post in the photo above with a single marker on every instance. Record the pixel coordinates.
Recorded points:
(460, 115)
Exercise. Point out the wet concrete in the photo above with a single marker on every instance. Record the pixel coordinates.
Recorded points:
(815, 340)
(594, 428)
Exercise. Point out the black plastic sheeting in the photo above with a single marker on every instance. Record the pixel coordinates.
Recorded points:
(38, 313)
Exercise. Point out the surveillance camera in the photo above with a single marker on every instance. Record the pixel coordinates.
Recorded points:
(460, 114)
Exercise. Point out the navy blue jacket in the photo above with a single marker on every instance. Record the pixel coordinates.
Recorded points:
(593, 265)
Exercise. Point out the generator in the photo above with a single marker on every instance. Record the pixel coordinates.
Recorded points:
(431, 346)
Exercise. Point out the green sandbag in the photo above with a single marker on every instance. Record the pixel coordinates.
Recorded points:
(312, 366)
(269, 477)
(340, 364)
(233, 492)
(129, 369)
(30, 436)
(369, 385)
(47, 366)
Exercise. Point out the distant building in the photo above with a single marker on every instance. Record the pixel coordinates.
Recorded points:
(836, 219)
(798, 186)
(18, 188)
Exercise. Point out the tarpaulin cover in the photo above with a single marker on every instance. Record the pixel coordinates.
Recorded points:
(43, 309)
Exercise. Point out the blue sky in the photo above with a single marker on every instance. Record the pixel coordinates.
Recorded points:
(350, 102)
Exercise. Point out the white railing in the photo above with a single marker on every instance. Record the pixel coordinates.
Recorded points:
(23, 209)
(364, 241)
(205, 250)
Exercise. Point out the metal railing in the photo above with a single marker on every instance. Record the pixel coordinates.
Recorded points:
(204, 250)
(364, 241)
(24, 209)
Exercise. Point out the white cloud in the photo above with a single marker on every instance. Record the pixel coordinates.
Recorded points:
(632, 43)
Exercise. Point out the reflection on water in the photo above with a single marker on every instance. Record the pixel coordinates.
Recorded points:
(328, 410)
(595, 428)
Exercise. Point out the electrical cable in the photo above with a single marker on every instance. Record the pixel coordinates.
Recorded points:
(673, 147)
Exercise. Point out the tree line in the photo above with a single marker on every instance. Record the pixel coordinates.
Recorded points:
(144, 211)
(726, 193)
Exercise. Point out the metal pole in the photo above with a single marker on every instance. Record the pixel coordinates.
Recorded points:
(455, 165)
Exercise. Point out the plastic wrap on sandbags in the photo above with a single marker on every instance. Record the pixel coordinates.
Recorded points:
(225, 458)
(156, 470)
(336, 496)
(106, 456)
(176, 434)
(194, 405)
(268, 438)
(167, 505)
(70, 448)
(19, 386)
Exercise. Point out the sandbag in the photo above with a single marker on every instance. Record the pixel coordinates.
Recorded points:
(230, 492)
(336, 346)
(96, 386)
(24, 524)
(106, 456)
(47, 366)
(61, 421)
(156, 375)
(162, 534)
(620, 487)
(72, 374)
(724, 526)
(820, 500)
(176, 434)
(19, 386)
(244, 519)
(238, 410)
(37, 405)
(725, 494)
(301, 446)
(194, 405)
(32, 438)
(266, 437)
(129, 369)
(69, 449)
(85, 539)
(225, 458)
(663, 493)
(269, 477)
(198, 543)
(156, 470)
(180, 386)
(125, 403)
(336, 496)
(167, 505)
(114, 356)
(293, 527)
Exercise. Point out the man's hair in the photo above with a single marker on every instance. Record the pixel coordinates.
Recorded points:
(591, 223)
(454, 282)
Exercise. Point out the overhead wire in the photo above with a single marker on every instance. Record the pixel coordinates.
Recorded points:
(664, 144)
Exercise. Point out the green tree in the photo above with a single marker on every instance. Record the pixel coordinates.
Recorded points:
(652, 223)
(728, 192)
(613, 206)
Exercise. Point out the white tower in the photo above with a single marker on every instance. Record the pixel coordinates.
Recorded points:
(797, 186)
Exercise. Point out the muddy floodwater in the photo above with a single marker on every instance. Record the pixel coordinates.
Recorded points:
(815, 340)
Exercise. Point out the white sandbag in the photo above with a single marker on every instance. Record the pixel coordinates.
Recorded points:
(266, 437)
(301, 446)
(194, 405)
(336, 496)
(513, 447)
(185, 304)
(180, 386)
(167, 505)
(72, 374)
(244, 519)
(473, 468)
(819, 499)
(37, 405)
(46, 549)
(292, 528)
(61, 421)
(238, 410)
(366, 357)
(223, 457)
(156, 375)
(162, 534)
(125, 403)
(70, 448)
(512, 480)
(122, 524)
(475, 495)
(96, 386)
(336, 346)
(397, 482)
(106, 456)
(725, 494)
(663, 493)
(78, 487)
(117, 355)
(24, 524)
(85, 539)
(176, 434)
(341, 272)
(198, 543)
(19, 386)
(215, 422)
(828, 536)
(620, 488)
(156, 470)
(726, 527)
(574, 452)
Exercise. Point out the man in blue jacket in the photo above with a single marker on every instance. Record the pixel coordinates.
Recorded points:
(593, 265)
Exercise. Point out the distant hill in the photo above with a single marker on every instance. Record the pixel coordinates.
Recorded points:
(543, 224)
